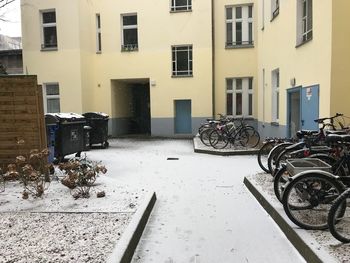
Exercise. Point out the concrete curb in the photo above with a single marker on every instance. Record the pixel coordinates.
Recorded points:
(295, 235)
(224, 152)
(126, 246)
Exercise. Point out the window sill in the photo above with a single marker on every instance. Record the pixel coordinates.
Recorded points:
(49, 49)
(303, 43)
(180, 11)
(275, 123)
(181, 76)
(239, 46)
(127, 51)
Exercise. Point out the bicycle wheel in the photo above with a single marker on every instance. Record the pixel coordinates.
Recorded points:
(339, 218)
(280, 181)
(248, 137)
(218, 140)
(204, 136)
(263, 153)
(271, 159)
(308, 198)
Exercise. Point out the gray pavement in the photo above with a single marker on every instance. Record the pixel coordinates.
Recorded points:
(203, 213)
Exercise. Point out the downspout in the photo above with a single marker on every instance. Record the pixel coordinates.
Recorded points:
(213, 57)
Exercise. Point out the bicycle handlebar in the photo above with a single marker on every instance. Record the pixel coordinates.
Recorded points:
(321, 120)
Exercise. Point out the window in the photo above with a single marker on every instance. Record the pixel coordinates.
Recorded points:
(182, 60)
(239, 26)
(181, 5)
(262, 14)
(49, 30)
(275, 94)
(98, 33)
(51, 98)
(304, 21)
(275, 8)
(239, 96)
(129, 31)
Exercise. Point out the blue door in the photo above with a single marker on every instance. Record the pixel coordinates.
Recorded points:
(309, 107)
(183, 116)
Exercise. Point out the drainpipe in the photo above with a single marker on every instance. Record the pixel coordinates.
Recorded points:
(213, 56)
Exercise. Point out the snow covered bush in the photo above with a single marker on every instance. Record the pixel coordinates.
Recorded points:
(80, 175)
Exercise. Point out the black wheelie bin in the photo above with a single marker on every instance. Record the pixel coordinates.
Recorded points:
(98, 121)
(69, 136)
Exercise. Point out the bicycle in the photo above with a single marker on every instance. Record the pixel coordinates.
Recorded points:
(309, 195)
(244, 134)
(339, 218)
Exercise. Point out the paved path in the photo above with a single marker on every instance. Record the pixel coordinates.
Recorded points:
(203, 213)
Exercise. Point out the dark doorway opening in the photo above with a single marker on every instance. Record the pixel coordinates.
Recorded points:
(140, 122)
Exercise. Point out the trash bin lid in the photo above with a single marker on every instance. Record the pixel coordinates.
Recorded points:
(96, 115)
(51, 119)
(69, 117)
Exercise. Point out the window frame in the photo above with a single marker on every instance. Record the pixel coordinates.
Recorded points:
(46, 25)
(129, 47)
(48, 97)
(304, 22)
(275, 87)
(98, 34)
(245, 25)
(174, 73)
(173, 7)
(246, 92)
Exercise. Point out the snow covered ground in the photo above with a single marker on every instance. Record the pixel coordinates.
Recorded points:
(203, 213)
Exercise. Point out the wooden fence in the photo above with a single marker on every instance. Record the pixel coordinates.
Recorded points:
(22, 125)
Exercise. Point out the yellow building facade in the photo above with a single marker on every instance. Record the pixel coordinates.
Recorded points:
(163, 66)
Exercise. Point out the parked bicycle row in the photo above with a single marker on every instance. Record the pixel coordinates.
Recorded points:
(228, 131)
(311, 176)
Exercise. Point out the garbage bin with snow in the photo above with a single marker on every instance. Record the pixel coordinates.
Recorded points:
(69, 136)
(98, 121)
(51, 128)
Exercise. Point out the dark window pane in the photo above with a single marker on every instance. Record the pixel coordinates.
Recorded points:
(250, 33)
(250, 11)
(50, 37)
(49, 17)
(238, 84)
(173, 54)
(130, 36)
(229, 13)
(130, 20)
(250, 104)
(309, 15)
(277, 105)
(229, 84)
(98, 18)
(277, 78)
(53, 105)
(229, 33)
(229, 103)
(99, 48)
(239, 104)
(52, 89)
(250, 83)
(304, 8)
(238, 12)
(182, 61)
(239, 33)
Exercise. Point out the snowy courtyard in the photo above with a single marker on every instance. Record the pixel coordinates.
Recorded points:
(203, 211)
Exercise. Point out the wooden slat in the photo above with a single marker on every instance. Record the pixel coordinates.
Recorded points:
(21, 117)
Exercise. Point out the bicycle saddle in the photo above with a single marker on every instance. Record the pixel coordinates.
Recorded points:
(302, 133)
(337, 138)
(340, 132)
